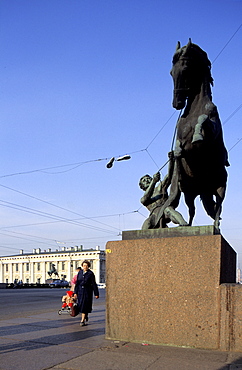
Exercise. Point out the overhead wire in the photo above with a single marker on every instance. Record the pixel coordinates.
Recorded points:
(44, 170)
(78, 164)
(7, 247)
(19, 237)
(91, 218)
(53, 205)
(232, 114)
(49, 215)
(227, 43)
(239, 140)
(60, 219)
(76, 219)
(160, 130)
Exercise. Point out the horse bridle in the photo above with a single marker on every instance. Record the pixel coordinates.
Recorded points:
(182, 89)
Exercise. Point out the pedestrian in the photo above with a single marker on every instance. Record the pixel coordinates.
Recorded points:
(74, 279)
(84, 289)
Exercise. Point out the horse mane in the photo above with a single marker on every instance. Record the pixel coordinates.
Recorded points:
(197, 56)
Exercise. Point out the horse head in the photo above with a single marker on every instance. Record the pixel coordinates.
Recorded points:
(190, 67)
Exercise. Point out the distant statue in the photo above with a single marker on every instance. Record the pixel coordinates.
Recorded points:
(200, 153)
(155, 198)
(53, 271)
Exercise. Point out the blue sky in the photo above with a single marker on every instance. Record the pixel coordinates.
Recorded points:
(83, 81)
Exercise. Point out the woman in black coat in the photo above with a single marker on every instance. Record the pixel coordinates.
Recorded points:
(84, 289)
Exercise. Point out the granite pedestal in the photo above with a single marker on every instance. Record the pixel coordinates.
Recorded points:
(164, 287)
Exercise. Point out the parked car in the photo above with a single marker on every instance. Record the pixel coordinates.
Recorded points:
(59, 284)
(101, 285)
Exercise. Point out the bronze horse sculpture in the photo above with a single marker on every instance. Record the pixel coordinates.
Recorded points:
(52, 271)
(200, 154)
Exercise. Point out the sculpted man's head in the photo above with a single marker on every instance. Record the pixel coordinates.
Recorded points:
(144, 182)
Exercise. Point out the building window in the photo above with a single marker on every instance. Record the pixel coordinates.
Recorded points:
(27, 281)
(91, 262)
(38, 266)
(102, 265)
(6, 267)
(27, 268)
(38, 281)
(6, 281)
(63, 266)
(16, 267)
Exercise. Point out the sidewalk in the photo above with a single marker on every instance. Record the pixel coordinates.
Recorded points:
(50, 342)
(133, 356)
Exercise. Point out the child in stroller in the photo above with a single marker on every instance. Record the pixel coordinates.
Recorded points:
(67, 302)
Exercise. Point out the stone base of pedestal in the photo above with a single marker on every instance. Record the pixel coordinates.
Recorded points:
(166, 290)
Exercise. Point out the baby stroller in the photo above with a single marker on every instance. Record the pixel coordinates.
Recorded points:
(67, 303)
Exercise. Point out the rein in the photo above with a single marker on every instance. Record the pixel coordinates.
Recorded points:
(173, 139)
(175, 130)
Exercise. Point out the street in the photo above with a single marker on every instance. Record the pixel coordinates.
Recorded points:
(34, 337)
(23, 302)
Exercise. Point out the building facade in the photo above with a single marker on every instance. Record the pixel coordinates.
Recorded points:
(33, 267)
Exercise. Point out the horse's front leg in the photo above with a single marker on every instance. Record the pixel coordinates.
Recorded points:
(189, 199)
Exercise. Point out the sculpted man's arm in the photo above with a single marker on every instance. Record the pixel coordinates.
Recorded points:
(167, 179)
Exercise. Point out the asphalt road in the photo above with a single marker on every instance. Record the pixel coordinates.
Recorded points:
(34, 337)
(16, 303)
